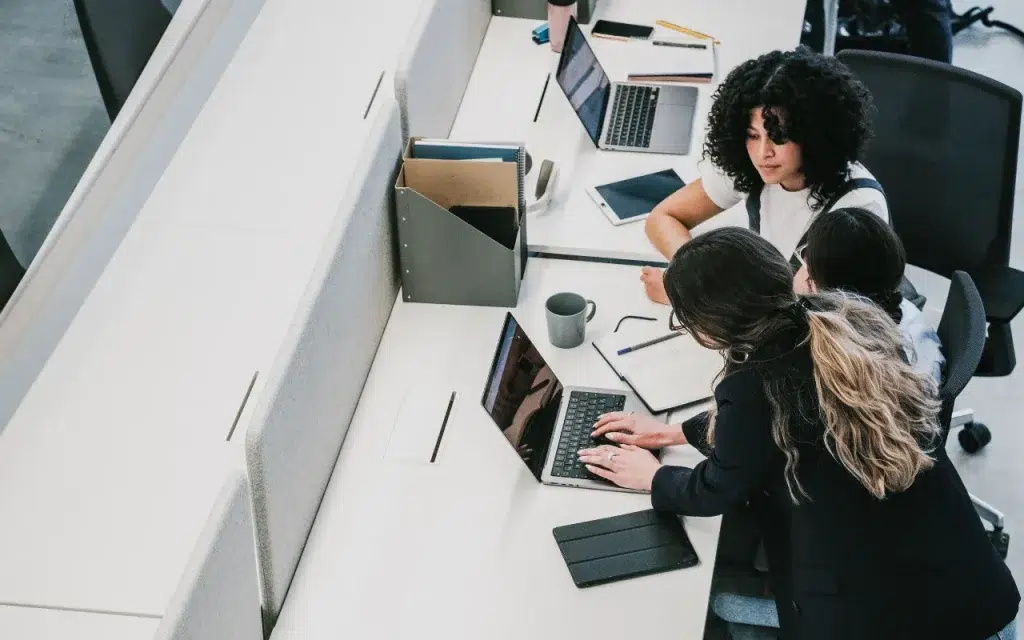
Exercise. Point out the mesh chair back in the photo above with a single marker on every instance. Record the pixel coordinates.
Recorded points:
(120, 36)
(962, 333)
(945, 149)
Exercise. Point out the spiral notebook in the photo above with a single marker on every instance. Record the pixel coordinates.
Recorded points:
(665, 376)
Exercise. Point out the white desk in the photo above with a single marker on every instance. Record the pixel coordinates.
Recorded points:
(116, 453)
(26, 623)
(463, 549)
(508, 79)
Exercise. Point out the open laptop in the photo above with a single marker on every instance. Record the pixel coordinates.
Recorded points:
(624, 116)
(546, 423)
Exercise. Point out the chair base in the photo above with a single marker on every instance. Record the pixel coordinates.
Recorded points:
(999, 538)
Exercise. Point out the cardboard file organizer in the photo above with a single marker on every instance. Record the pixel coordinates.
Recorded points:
(538, 9)
(461, 230)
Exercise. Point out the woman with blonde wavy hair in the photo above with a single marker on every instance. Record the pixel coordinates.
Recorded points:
(831, 437)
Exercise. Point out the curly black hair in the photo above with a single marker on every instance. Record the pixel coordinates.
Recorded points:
(807, 98)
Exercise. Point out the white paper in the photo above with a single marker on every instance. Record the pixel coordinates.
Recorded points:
(647, 58)
(665, 375)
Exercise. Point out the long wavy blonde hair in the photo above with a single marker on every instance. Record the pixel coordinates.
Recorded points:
(733, 291)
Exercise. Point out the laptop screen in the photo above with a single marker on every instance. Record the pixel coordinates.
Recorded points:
(522, 396)
(583, 80)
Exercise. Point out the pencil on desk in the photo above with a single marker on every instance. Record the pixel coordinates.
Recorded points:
(648, 343)
(687, 31)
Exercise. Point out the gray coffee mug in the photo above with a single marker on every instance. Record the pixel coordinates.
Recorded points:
(568, 318)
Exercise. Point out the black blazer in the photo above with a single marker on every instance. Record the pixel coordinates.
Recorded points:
(844, 564)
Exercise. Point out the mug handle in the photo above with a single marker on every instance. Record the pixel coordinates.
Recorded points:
(593, 310)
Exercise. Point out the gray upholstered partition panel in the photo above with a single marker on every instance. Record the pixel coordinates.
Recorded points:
(186, 67)
(435, 66)
(315, 382)
(218, 597)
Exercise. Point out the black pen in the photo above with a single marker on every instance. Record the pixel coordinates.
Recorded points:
(684, 45)
(648, 343)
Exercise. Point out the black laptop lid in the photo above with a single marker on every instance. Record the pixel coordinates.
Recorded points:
(583, 81)
(522, 395)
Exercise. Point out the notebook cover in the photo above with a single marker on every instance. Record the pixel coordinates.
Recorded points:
(626, 546)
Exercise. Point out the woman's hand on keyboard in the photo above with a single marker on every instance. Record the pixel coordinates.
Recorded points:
(627, 466)
(640, 431)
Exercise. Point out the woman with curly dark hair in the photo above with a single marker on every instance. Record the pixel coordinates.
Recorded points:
(785, 133)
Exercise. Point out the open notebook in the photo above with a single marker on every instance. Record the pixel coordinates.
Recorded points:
(665, 376)
(669, 59)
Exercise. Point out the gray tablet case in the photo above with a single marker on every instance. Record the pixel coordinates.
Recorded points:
(626, 546)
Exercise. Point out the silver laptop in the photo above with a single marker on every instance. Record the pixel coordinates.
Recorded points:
(624, 116)
(546, 423)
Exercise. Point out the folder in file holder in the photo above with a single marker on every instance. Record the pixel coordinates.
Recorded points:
(461, 222)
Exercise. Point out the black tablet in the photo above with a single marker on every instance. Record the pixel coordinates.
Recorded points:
(626, 546)
(630, 200)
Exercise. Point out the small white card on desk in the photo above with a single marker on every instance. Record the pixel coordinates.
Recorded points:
(418, 429)
(667, 375)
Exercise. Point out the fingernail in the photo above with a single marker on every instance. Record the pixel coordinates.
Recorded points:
(614, 437)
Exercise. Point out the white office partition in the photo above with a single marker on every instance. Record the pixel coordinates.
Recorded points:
(172, 89)
(435, 66)
(218, 597)
(311, 392)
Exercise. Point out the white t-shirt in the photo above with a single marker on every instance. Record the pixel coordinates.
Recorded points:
(927, 350)
(785, 215)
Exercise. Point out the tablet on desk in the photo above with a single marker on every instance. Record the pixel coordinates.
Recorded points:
(633, 199)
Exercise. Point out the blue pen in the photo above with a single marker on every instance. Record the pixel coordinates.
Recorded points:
(648, 343)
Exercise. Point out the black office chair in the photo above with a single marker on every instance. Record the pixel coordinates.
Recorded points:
(11, 271)
(962, 332)
(945, 149)
(120, 36)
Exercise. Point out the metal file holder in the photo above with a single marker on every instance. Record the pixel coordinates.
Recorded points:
(444, 259)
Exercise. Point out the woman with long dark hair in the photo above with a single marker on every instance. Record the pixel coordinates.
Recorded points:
(825, 430)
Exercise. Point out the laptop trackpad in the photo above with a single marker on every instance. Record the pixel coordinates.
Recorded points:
(418, 431)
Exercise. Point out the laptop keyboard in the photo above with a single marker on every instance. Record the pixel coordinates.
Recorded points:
(582, 412)
(632, 116)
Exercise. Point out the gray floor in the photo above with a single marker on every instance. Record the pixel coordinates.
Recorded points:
(51, 117)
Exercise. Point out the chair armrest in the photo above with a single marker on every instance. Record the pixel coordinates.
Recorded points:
(1002, 292)
(987, 512)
